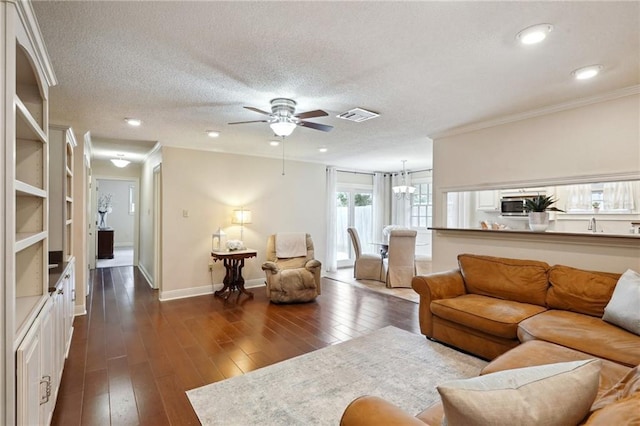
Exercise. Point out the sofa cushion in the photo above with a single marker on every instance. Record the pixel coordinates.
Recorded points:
(539, 352)
(511, 279)
(550, 394)
(621, 404)
(623, 309)
(487, 314)
(583, 333)
(577, 290)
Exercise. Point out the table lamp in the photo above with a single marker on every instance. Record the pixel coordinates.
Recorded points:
(241, 217)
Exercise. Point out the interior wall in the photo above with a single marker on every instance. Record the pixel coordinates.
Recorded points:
(201, 190)
(119, 219)
(146, 246)
(597, 139)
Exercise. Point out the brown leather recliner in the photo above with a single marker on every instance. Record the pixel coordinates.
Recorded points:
(294, 279)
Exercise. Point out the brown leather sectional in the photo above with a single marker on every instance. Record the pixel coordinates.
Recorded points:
(521, 313)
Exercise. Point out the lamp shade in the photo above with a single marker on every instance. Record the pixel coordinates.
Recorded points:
(241, 217)
(283, 128)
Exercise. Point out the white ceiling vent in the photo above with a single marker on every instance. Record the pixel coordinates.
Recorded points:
(358, 115)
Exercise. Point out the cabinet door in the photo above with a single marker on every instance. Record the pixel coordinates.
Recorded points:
(487, 201)
(69, 302)
(29, 378)
(48, 362)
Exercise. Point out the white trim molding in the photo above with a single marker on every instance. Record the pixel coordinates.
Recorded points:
(203, 290)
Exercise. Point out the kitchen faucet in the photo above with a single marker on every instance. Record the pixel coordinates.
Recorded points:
(592, 225)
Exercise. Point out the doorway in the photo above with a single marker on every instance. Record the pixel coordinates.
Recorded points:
(355, 208)
(116, 222)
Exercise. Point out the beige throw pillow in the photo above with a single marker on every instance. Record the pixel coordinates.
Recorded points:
(623, 308)
(553, 394)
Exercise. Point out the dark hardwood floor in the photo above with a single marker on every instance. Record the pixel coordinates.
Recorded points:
(132, 357)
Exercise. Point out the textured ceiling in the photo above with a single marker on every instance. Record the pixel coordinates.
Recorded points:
(426, 67)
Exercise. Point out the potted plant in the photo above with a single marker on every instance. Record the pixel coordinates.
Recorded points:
(596, 206)
(538, 208)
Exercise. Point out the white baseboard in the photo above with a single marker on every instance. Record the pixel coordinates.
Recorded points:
(79, 310)
(146, 274)
(203, 290)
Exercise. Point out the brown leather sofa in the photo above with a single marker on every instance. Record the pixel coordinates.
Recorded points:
(522, 313)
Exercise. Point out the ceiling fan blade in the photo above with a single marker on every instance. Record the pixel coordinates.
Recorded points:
(317, 126)
(311, 114)
(259, 111)
(253, 121)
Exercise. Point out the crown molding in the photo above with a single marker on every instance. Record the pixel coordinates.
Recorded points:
(619, 93)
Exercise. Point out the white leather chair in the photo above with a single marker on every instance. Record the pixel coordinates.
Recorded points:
(366, 266)
(400, 264)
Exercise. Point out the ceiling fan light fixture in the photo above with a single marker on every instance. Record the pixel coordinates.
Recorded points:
(283, 127)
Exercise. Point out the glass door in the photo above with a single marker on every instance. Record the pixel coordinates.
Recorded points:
(355, 208)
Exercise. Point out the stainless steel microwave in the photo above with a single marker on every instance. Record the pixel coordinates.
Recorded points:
(513, 206)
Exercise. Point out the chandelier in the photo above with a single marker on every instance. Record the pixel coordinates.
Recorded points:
(403, 190)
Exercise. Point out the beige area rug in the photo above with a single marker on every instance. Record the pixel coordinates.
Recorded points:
(315, 388)
(346, 276)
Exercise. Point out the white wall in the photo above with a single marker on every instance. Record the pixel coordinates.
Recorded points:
(201, 189)
(597, 139)
(119, 219)
(147, 242)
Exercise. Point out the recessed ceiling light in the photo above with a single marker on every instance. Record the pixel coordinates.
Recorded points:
(133, 122)
(534, 34)
(274, 143)
(586, 73)
(213, 133)
(323, 149)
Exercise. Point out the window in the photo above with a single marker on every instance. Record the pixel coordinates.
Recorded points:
(610, 197)
(422, 206)
(355, 208)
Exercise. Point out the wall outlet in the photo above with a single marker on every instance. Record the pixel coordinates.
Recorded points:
(211, 266)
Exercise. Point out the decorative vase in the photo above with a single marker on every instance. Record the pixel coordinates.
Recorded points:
(538, 221)
(103, 220)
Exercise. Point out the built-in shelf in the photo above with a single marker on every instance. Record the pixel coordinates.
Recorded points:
(24, 189)
(26, 125)
(27, 308)
(26, 239)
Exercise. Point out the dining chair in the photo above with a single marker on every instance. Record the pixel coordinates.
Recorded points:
(366, 266)
(399, 266)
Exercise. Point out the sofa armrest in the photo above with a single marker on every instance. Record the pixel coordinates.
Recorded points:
(442, 285)
(270, 266)
(312, 264)
(371, 410)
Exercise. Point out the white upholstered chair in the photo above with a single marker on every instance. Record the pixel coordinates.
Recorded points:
(400, 264)
(366, 266)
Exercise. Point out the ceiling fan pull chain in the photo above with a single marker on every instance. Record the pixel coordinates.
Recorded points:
(282, 155)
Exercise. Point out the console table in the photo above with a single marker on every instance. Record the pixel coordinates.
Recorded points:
(105, 243)
(233, 262)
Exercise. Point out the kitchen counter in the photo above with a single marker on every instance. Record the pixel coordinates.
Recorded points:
(56, 275)
(599, 238)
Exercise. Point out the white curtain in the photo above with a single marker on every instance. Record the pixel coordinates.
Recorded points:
(331, 257)
(617, 196)
(379, 205)
(400, 208)
(579, 197)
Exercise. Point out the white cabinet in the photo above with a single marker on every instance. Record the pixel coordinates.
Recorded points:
(24, 120)
(488, 201)
(41, 355)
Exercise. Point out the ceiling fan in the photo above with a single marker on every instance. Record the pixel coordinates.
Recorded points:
(282, 118)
